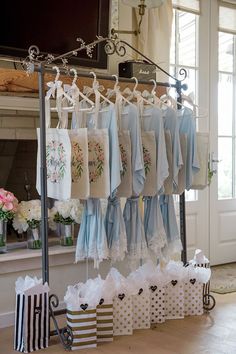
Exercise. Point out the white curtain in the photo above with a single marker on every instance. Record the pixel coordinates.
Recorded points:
(155, 37)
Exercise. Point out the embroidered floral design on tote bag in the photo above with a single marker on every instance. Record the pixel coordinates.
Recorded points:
(124, 159)
(77, 161)
(56, 161)
(97, 161)
(147, 160)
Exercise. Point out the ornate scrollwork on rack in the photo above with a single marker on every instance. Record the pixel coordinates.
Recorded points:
(65, 334)
(183, 73)
(120, 49)
(89, 47)
(115, 46)
(110, 47)
(209, 302)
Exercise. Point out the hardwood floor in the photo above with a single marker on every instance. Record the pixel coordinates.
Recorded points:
(213, 333)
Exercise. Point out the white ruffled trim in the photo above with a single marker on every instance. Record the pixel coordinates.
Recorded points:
(119, 249)
(175, 246)
(98, 255)
(157, 241)
(138, 251)
(171, 249)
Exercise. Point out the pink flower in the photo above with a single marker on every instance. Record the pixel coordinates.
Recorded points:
(10, 197)
(8, 206)
(2, 192)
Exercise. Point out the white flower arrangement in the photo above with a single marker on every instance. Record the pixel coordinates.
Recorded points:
(28, 215)
(67, 212)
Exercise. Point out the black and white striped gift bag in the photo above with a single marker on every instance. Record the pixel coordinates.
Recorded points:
(31, 322)
(105, 323)
(84, 328)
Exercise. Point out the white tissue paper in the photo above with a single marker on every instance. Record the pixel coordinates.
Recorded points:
(140, 300)
(31, 314)
(122, 304)
(174, 297)
(30, 285)
(200, 259)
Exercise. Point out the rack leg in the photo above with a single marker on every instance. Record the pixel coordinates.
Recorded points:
(43, 177)
(65, 334)
(209, 301)
(182, 214)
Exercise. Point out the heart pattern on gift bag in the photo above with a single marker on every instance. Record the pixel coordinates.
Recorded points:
(174, 282)
(101, 301)
(121, 296)
(193, 281)
(84, 306)
(153, 288)
(140, 291)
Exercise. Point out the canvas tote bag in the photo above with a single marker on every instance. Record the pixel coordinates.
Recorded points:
(58, 157)
(98, 157)
(79, 155)
(149, 159)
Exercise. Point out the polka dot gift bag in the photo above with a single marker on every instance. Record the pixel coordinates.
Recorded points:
(122, 304)
(193, 290)
(140, 301)
(157, 307)
(156, 281)
(174, 297)
(157, 288)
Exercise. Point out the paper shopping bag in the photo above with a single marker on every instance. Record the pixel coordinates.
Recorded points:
(174, 304)
(32, 319)
(157, 304)
(104, 322)
(141, 309)
(83, 324)
(193, 298)
(122, 315)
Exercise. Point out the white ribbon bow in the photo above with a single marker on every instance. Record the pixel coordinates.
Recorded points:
(90, 90)
(54, 86)
(72, 90)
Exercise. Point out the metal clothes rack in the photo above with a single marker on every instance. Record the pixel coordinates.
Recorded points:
(42, 63)
(34, 62)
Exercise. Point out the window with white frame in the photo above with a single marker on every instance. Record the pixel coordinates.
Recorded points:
(184, 50)
(226, 102)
